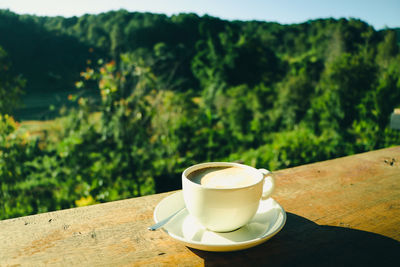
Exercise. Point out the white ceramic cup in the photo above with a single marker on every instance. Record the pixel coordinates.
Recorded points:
(225, 209)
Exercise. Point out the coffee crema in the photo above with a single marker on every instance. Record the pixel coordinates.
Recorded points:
(223, 177)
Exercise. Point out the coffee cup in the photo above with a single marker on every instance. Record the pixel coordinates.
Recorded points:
(224, 196)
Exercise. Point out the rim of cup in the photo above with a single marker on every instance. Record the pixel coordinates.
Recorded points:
(189, 170)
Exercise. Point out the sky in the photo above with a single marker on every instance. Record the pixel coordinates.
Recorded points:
(378, 13)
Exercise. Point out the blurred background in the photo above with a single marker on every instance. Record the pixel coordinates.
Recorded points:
(104, 100)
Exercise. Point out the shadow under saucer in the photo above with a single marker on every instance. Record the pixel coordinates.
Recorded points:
(305, 243)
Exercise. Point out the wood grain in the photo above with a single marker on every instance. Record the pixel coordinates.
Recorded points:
(341, 212)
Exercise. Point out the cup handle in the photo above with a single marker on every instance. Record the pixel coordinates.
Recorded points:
(269, 183)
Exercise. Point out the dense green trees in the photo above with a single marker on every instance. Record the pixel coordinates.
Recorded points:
(10, 85)
(169, 92)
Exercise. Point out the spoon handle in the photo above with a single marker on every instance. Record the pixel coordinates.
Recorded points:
(162, 222)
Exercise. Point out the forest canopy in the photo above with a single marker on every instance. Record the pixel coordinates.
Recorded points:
(147, 95)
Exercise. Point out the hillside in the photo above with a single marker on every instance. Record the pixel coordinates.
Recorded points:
(50, 52)
(153, 94)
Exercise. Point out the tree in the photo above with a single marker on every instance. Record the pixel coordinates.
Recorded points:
(387, 49)
(10, 86)
(343, 85)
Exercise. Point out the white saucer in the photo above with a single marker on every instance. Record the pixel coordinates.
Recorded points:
(268, 221)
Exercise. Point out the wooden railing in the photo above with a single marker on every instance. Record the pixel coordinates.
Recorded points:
(341, 212)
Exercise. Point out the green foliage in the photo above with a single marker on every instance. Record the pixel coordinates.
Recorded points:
(343, 85)
(17, 187)
(10, 86)
(293, 148)
(112, 155)
(182, 90)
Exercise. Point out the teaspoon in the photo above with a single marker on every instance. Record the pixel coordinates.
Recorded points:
(164, 221)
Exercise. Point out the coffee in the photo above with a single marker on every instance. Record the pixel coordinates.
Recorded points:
(223, 177)
(224, 196)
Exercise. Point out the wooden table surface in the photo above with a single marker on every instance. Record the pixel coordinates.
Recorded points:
(341, 212)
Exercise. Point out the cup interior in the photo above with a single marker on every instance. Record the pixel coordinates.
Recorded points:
(258, 176)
